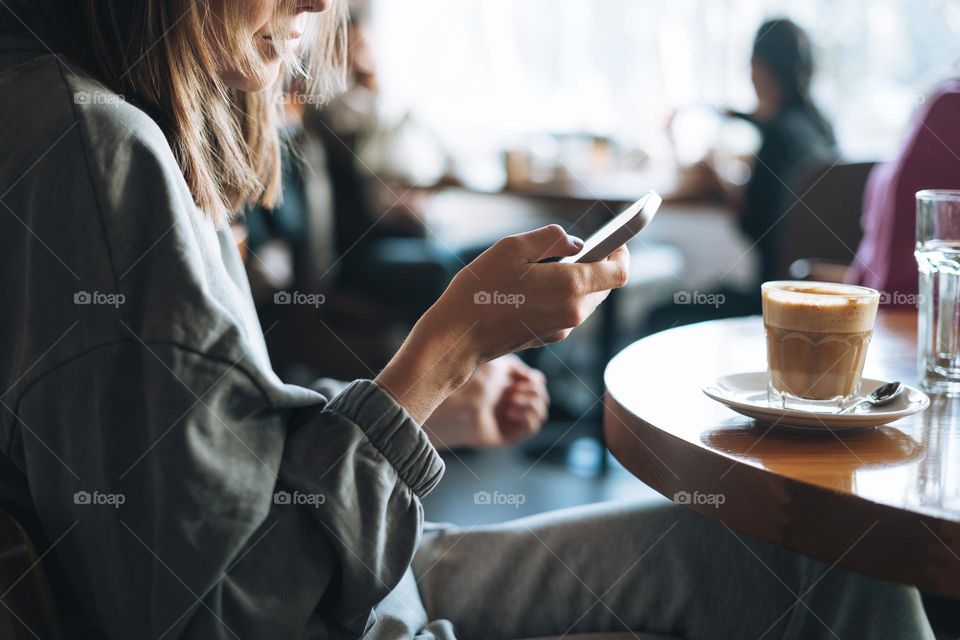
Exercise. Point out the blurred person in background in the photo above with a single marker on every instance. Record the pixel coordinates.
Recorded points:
(290, 245)
(381, 235)
(363, 228)
(795, 138)
(928, 159)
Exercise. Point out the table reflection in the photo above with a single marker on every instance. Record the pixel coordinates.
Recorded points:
(820, 457)
(937, 480)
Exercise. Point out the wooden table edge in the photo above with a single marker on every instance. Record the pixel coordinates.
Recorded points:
(806, 506)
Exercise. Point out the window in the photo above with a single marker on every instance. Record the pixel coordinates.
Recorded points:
(483, 72)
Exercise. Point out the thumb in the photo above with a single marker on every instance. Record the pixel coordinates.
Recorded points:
(519, 371)
(550, 241)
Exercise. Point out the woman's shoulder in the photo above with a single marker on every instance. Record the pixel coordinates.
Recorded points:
(115, 129)
(49, 88)
(108, 153)
(49, 99)
(101, 208)
(90, 149)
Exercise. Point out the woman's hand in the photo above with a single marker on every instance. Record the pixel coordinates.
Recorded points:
(503, 301)
(502, 403)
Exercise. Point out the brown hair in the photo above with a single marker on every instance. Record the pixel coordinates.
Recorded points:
(164, 56)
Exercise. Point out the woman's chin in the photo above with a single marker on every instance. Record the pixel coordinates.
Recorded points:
(253, 83)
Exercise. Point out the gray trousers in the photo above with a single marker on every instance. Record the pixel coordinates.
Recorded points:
(620, 567)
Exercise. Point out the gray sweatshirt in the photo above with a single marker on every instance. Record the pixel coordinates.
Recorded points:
(177, 487)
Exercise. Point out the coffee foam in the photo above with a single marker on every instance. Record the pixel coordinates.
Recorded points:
(819, 306)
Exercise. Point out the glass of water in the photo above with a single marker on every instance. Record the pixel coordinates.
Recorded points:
(938, 258)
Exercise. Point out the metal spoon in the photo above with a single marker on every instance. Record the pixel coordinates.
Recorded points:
(884, 394)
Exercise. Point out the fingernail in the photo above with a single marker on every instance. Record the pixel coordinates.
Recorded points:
(577, 242)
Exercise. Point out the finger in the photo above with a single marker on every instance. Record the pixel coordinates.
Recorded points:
(550, 241)
(518, 428)
(586, 306)
(523, 424)
(621, 252)
(538, 381)
(612, 272)
(526, 382)
(520, 378)
(532, 379)
(540, 384)
(594, 300)
(534, 405)
(531, 382)
(527, 392)
(520, 397)
(542, 409)
(536, 375)
(519, 370)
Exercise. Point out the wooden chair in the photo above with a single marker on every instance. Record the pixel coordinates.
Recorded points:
(822, 230)
(26, 602)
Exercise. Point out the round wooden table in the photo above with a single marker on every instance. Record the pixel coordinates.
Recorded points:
(882, 501)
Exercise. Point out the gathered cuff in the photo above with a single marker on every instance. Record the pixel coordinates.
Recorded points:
(393, 432)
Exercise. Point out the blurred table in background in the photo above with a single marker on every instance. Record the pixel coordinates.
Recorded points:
(612, 190)
(704, 233)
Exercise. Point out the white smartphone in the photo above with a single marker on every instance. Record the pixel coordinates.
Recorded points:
(618, 231)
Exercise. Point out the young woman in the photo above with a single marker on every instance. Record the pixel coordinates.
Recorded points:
(177, 489)
(795, 137)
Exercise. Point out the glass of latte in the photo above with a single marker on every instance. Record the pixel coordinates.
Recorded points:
(817, 337)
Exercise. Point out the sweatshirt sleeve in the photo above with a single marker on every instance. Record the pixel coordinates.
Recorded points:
(329, 386)
(189, 507)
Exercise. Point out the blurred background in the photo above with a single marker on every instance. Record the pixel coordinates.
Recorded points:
(511, 71)
(761, 122)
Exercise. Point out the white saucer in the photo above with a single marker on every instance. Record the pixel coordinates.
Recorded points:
(746, 393)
